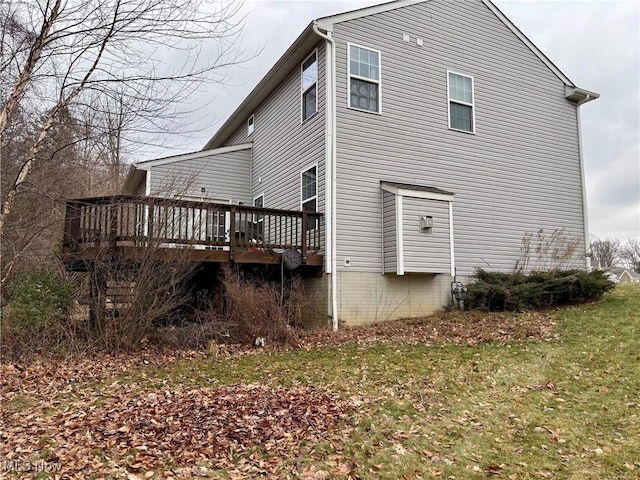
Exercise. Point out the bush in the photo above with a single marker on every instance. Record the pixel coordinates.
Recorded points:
(242, 309)
(37, 318)
(38, 299)
(513, 292)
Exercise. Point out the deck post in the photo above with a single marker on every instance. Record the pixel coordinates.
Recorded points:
(305, 230)
(232, 232)
(113, 225)
(97, 295)
(149, 223)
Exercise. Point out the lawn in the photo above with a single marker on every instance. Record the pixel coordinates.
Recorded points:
(553, 395)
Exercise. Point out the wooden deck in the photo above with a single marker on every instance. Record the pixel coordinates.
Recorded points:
(126, 227)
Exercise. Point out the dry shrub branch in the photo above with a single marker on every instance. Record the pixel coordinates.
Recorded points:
(243, 309)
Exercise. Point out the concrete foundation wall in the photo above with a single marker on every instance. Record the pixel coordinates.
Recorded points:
(319, 306)
(365, 298)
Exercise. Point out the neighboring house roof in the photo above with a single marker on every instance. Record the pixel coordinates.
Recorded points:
(616, 270)
(137, 170)
(298, 51)
(619, 271)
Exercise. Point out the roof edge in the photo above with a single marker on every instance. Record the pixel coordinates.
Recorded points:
(416, 191)
(518, 33)
(275, 75)
(326, 23)
(246, 107)
(190, 156)
(579, 95)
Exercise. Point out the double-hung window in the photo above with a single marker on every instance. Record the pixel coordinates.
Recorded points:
(461, 114)
(309, 180)
(364, 79)
(309, 191)
(309, 86)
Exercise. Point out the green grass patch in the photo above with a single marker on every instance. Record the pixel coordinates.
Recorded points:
(568, 407)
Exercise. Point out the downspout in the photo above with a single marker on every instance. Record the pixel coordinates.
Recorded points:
(451, 241)
(582, 178)
(330, 166)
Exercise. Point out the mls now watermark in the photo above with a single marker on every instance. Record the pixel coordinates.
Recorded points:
(27, 466)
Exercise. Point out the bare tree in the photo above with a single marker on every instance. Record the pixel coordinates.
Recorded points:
(630, 254)
(63, 169)
(606, 252)
(147, 54)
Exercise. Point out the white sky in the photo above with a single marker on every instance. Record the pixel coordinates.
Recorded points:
(596, 44)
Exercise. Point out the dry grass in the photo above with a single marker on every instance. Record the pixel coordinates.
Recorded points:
(554, 396)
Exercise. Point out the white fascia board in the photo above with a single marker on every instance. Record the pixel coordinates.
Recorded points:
(496, 11)
(404, 192)
(326, 23)
(579, 95)
(191, 156)
(294, 55)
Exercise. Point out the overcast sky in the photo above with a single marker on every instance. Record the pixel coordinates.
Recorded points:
(596, 44)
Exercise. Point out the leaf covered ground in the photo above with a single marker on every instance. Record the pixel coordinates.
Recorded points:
(544, 395)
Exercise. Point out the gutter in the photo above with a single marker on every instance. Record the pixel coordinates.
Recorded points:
(330, 167)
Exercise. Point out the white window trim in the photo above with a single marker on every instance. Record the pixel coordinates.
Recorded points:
(303, 201)
(472, 104)
(358, 77)
(259, 218)
(303, 91)
(251, 125)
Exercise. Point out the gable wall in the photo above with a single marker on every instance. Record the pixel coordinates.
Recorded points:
(224, 176)
(520, 172)
(282, 145)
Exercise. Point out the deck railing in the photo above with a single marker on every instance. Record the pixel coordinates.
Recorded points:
(172, 223)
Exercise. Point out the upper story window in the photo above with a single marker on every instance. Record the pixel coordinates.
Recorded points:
(364, 79)
(250, 125)
(309, 86)
(309, 186)
(461, 114)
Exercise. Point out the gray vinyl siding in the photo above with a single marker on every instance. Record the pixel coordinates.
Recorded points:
(283, 146)
(390, 243)
(519, 173)
(225, 176)
(425, 251)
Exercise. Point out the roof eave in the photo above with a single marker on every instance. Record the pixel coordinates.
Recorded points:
(579, 95)
(528, 43)
(305, 41)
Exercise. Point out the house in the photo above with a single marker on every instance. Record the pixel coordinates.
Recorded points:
(622, 275)
(431, 135)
